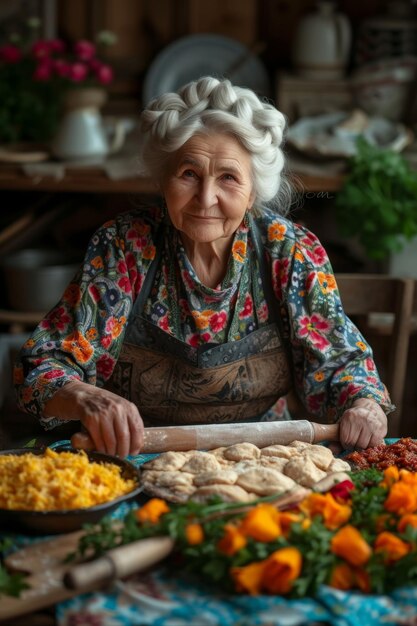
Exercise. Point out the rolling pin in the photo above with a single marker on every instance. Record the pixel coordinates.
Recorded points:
(209, 436)
(118, 563)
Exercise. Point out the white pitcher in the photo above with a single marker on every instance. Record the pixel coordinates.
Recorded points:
(81, 134)
(322, 44)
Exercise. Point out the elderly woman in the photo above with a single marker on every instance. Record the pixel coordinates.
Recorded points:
(209, 309)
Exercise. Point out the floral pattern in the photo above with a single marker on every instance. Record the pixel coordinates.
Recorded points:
(82, 336)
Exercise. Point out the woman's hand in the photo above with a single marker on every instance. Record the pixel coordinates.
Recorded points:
(363, 425)
(113, 423)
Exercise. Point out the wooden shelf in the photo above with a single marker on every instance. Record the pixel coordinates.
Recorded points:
(95, 180)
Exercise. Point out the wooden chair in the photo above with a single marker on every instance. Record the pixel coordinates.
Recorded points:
(363, 294)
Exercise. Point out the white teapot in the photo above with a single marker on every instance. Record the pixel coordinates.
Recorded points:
(322, 43)
(81, 133)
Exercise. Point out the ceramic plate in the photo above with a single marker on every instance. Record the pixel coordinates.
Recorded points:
(324, 135)
(23, 153)
(194, 56)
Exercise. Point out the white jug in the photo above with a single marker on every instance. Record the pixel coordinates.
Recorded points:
(322, 44)
(81, 134)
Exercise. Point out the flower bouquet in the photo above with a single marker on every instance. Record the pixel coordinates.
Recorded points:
(360, 535)
(35, 73)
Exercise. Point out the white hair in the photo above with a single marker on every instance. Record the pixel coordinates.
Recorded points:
(212, 105)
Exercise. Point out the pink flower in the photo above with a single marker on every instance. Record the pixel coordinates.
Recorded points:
(247, 307)
(279, 275)
(262, 312)
(350, 390)
(10, 53)
(315, 402)
(53, 374)
(342, 490)
(163, 323)
(57, 46)
(370, 365)
(77, 72)
(43, 71)
(104, 74)
(193, 340)
(317, 255)
(94, 293)
(84, 50)
(58, 318)
(313, 328)
(41, 49)
(61, 68)
(124, 284)
(121, 267)
(106, 341)
(218, 321)
(105, 366)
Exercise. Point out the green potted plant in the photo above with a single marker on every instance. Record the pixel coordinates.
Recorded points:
(378, 201)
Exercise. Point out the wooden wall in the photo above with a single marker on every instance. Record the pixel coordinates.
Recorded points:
(144, 27)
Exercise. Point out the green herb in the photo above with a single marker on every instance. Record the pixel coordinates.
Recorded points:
(10, 584)
(377, 203)
(309, 535)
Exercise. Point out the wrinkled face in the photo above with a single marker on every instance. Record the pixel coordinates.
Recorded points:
(209, 187)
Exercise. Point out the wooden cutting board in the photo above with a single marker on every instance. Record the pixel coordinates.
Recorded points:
(44, 562)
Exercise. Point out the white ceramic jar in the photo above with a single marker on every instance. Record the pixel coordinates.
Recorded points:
(322, 44)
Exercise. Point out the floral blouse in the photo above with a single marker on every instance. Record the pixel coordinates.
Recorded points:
(81, 337)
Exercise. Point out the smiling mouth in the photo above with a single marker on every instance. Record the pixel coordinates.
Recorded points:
(204, 218)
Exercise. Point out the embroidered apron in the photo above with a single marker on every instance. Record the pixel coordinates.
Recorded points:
(172, 382)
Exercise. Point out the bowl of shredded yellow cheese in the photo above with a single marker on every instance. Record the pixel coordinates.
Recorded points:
(55, 491)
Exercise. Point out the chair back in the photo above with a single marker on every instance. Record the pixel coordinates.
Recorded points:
(363, 294)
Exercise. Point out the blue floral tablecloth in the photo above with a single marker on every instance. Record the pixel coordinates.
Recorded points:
(163, 598)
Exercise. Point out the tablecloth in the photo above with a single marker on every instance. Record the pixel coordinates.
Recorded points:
(167, 598)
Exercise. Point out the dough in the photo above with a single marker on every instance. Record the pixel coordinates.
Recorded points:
(201, 462)
(303, 471)
(228, 493)
(221, 477)
(339, 465)
(274, 462)
(218, 452)
(286, 452)
(167, 461)
(241, 452)
(264, 481)
(244, 466)
(300, 445)
(174, 486)
(321, 456)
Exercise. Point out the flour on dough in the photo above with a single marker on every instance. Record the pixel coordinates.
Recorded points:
(264, 481)
(167, 461)
(321, 456)
(286, 452)
(304, 471)
(219, 477)
(242, 452)
(274, 462)
(228, 493)
(201, 462)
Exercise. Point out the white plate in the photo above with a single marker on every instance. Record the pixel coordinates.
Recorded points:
(322, 136)
(191, 57)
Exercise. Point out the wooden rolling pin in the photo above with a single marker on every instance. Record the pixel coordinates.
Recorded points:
(119, 562)
(209, 436)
